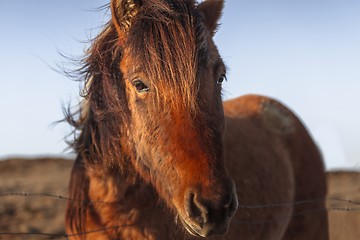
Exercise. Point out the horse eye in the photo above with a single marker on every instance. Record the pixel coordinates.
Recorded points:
(221, 79)
(140, 86)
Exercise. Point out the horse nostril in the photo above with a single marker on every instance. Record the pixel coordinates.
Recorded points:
(227, 205)
(230, 207)
(231, 203)
(196, 210)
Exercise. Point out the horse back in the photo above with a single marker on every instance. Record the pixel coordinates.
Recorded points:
(273, 160)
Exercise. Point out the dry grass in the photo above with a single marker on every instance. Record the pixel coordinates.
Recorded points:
(344, 225)
(33, 214)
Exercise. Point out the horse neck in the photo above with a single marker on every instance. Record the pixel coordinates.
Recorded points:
(112, 177)
(121, 185)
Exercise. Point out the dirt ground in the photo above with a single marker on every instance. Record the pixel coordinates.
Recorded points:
(33, 214)
(25, 213)
(344, 205)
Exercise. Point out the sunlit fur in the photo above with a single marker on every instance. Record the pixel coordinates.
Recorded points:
(162, 164)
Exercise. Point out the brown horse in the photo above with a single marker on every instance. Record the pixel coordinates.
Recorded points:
(159, 156)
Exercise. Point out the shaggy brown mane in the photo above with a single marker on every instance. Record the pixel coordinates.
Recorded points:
(98, 118)
(162, 33)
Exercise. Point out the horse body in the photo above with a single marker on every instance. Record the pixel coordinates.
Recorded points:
(264, 137)
(161, 157)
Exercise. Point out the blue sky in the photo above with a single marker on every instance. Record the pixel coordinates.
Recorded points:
(304, 53)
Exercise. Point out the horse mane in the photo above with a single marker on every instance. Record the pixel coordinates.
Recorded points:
(160, 36)
(102, 110)
(96, 122)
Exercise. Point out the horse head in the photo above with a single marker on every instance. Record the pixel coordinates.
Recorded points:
(172, 77)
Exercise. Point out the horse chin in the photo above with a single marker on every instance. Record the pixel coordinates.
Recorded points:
(190, 229)
(205, 230)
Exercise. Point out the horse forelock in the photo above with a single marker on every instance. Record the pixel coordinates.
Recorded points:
(169, 43)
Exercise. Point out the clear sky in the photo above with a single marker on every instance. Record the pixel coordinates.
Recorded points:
(304, 53)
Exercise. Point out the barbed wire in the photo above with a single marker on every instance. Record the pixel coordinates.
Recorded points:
(51, 195)
(246, 222)
(62, 235)
(248, 206)
(49, 235)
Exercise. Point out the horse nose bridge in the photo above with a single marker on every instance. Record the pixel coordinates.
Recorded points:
(192, 153)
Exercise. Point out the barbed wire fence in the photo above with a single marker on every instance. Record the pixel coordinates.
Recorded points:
(352, 206)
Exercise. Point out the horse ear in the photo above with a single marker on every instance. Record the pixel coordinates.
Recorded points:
(123, 13)
(211, 11)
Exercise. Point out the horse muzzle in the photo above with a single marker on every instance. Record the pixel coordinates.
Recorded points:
(203, 218)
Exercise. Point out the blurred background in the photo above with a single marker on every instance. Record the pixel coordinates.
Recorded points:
(304, 53)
